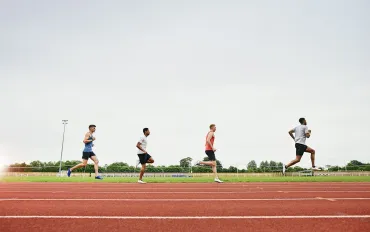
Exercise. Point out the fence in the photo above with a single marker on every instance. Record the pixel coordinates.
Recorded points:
(150, 168)
(190, 175)
(177, 171)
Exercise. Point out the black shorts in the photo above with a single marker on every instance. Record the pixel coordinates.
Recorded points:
(300, 149)
(144, 158)
(211, 155)
(87, 155)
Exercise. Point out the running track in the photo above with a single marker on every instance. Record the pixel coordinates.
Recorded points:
(185, 207)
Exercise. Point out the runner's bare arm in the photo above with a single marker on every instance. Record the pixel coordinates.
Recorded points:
(138, 145)
(308, 134)
(291, 134)
(209, 137)
(86, 139)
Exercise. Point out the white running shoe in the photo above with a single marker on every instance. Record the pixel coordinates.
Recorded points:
(197, 163)
(316, 169)
(218, 180)
(141, 182)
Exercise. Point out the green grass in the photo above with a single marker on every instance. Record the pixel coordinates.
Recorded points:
(189, 180)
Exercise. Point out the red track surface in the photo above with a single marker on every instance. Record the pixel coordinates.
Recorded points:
(167, 207)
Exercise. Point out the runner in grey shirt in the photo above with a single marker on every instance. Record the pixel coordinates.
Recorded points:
(301, 132)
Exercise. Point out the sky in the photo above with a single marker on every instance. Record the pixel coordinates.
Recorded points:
(251, 67)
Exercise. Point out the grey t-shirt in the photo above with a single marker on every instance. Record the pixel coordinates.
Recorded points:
(300, 134)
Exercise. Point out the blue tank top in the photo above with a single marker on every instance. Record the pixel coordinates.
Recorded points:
(88, 146)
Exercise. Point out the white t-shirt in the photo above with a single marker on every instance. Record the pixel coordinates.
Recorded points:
(144, 141)
(300, 134)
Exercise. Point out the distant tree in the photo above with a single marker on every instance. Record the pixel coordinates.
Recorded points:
(334, 168)
(252, 166)
(174, 168)
(201, 169)
(186, 162)
(37, 166)
(232, 169)
(71, 163)
(119, 164)
(264, 166)
(298, 169)
(19, 167)
(354, 163)
(36, 163)
(116, 167)
(273, 165)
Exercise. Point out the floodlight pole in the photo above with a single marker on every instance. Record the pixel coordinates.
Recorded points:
(65, 122)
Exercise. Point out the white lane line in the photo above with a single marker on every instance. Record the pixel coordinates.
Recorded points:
(188, 183)
(183, 217)
(56, 188)
(183, 199)
(332, 199)
(181, 192)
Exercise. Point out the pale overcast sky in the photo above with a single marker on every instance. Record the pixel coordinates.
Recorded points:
(251, 67)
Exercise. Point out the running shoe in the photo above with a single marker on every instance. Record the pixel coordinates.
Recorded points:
(69, 172)
(316, 169)
(98, 177)
(218, 180)
(198, 163)
(141, 182)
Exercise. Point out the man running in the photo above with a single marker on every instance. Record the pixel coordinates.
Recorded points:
(210, 152)
(88, 153)
(301, 132)
(144, 157)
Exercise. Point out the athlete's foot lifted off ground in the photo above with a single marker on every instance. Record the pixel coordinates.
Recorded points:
(210, 152)
(144, 157)
(88, 153)
(301, 132)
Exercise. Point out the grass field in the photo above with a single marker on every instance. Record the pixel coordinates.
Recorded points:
(189, 180)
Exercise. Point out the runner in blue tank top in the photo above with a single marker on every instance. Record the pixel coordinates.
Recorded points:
(88, 153)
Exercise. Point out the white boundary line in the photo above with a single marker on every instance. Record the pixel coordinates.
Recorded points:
(183, 192)
(195, 183)
(184, 217)
(183, 199)
(186, 187)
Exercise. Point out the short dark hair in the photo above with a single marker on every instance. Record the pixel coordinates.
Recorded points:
(91, 126)
(145, 130)
(301, 120)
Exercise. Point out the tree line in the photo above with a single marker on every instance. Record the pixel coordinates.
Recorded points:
(353, 165)
(185, 165)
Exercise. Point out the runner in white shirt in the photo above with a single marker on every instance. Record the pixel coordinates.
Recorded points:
(144, 157)
(301, 132)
